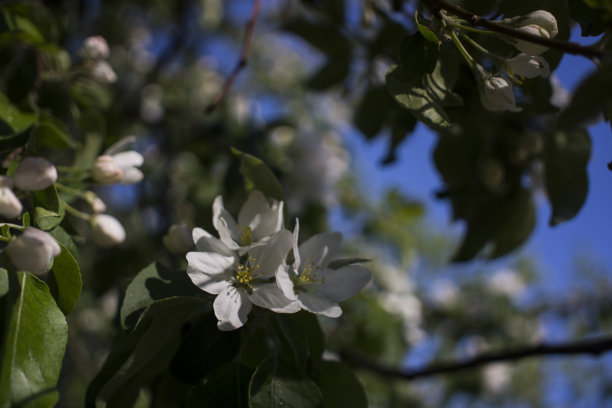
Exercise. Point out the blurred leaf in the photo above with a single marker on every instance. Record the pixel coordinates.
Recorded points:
(258, 176)
(592, 22)
(589, 100)
(17, 120)
(276, 384)
(302, 335)
(203, 349)
(91, 94)
(65, 239)
(33, 335)
(228, 388)
(140, 355)
(52, 132)
(153, 283)
(65, 280)
(31, 22)
(48, 208)
(566, 156)
(340, 387)
(372, 111)
(419, 53)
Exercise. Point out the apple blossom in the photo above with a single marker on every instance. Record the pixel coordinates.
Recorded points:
(94, 48)
(540, 23)
(33, 251)
(118, 168)
(10, 206)
(106, 230)
(528, 66)
(496, 94)
(311, 283)
(34, 174)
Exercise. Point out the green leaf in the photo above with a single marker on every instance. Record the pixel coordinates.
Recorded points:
(91, 94)
(592, 22)
(203, 349)
(34, 335)
(48, 208)
(566, 156)
(52, 132)
(153, 283)
(591, 98)
(301, 340)
(340, 387)
(258, 176)
(277, 384)
(228, 388)
(65, 280)
(140, 355)
(17, 120)
(419, 53)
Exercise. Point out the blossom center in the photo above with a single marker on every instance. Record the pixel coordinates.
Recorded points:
(309, 274)
(246, 238)
(245, 273)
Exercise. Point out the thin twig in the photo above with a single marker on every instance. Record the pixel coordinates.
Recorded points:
(244, 56)
(595, 347)
(477, 21)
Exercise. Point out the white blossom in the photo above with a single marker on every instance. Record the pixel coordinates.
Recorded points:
(506, 282)
(540, 23)
(496, 94)
(178, 240)
(258, 220)
(528, 66)
(102, 72)
(33, 251)
(94, 48)
(106, 230)
(34, 174)
(444, 293)
(239, 281)
(529, 47)
(10, 206)
(118, 168)
(311, 283)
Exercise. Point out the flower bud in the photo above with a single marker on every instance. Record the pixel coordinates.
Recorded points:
(496, 94)
(96, 204)
(33, 251)
(10, 206)
(178, 240)
(540, 23)
(106, 230)
(106, 171)
(528, 66)
(103, 73)
(528, 47)
(34, 173)
(543, 19)
(94, 48)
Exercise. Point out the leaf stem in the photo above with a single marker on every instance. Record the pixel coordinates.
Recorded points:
(76, 212)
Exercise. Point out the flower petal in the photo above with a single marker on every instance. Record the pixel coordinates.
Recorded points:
(273, 253)
(219, 212)
(284, 281)
(131, 175)
(256, 205)
(205, 242)
(231, 308)
(341, 284)
(127, 159)
(320, 248)
(317, 304)
(209, 271)
(269, 296)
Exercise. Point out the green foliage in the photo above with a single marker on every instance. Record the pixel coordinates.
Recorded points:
(258, 176)
(65, 280)
(33, 334)
(339, 386)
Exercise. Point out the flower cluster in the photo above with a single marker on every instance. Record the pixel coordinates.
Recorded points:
(247, 266)
(94, 52)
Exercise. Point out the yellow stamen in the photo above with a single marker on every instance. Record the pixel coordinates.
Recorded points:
(244, 274)
(246, 238)
(308, 276)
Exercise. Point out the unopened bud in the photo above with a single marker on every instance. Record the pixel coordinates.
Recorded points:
(543, 19)
(96, 204)
(496, 94)
(528, 66)
(103, 73)
(34, 174)
(10, 206)
(106, 171)
(33, 251)
(120, 167)
(540, 23)
(94, 48)
(106, 230)
(178, 240)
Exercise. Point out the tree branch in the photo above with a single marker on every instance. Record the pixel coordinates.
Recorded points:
(595, 347)
(244, 55)
(477, 21)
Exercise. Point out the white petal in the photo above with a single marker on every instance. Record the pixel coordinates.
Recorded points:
(128, 159)
(228, 225)
(317, 304)
(131, 175)
(226, 234)
(205, 242)
(320, 248)
(284, 282)
(255, 205)
(294, 243)
(269, 223)
(341, 284)
(231, 308)
(209, 263)
(269, 296)
(272, 254)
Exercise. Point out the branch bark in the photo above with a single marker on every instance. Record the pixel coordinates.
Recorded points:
(594, 347)
(244, 56)
(477, 21)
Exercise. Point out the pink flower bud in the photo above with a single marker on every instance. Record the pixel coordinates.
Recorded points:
(94, 48)
(106, 230)
(10, 206)
(34, 174)
(33, 251)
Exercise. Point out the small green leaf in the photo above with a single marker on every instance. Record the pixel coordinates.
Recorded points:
(33, 335)
(17, 120)
(48, 208)
(65, 280)
(277, 384)
(566, 156)
(258, 176)
(153, 283)
(52, 132)
(339, 386)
